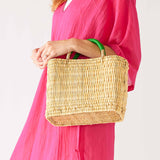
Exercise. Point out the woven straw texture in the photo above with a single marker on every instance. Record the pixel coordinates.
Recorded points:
(86, 91)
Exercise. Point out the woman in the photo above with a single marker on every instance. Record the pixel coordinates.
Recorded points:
(113, 23)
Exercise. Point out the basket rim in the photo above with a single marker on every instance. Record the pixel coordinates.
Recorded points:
(81, 61)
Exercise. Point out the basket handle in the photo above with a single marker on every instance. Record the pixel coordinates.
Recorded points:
(98, 43)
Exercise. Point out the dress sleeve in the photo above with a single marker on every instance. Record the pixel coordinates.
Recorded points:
(125, 38)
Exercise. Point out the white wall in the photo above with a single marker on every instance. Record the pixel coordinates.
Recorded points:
(25, 25)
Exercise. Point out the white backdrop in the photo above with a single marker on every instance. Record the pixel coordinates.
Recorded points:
(25, 25)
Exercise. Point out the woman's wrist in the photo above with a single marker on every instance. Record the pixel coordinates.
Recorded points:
(72, 44)
(88, 48)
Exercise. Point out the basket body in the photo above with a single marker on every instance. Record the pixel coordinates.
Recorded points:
(86, 91)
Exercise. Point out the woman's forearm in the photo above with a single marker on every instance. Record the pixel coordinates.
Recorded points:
(88, 48)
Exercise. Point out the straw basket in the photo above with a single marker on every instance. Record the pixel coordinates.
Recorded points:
(86, 91)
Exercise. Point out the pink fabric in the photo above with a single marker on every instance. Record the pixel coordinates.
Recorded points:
(113, 23)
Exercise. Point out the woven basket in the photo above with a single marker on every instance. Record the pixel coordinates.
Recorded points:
(86, 91)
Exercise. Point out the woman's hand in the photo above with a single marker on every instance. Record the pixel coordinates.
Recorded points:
(38, 62)
(53, 49)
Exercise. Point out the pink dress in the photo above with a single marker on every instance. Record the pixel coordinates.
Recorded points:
(113, 23)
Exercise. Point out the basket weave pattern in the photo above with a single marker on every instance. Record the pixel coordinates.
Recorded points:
(92, 94)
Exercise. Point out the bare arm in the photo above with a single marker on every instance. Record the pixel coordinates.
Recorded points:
(87, 48)
(57, 48)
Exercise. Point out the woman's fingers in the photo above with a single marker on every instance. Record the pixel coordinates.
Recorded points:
(49, 57)
(40, 66)
(40, 59)
(46, 60)
(38, 63)
(40, 52)
(49, 50)
(44, 54)
(36, 57)
(34, 52)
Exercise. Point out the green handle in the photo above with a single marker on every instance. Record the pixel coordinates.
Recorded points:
(99, 44)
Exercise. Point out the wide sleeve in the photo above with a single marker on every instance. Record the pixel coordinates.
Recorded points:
(124, 38)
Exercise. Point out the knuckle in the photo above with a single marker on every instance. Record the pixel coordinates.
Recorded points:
(54, 53)
(48, 43)
(33, 50)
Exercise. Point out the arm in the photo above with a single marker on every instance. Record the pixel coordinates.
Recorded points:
(87, 48)
(57, 48)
